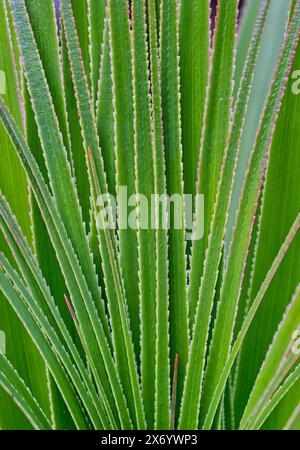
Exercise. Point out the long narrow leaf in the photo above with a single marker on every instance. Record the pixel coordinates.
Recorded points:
(121, 60)
(41, 322)
(145, 186)
(169, 59)
(162, 399)
(43, 21)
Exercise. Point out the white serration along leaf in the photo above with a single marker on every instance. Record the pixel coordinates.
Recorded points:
(233, 277)
(96, 18)
(105, 114)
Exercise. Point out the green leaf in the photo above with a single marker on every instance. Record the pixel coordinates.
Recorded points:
(57, 348)
(269, 381)
(214, 138)
(33, 277)
(272, 42)
(78, 152)
(293, 422)
(107, 241)
(10, 291)
(96, 16)
(43, 22)
(215, 243)
(193, 381)
(54, 151)
(92, 332)
(81, 16)
(42, 18)
(231, 287)
(194, 71)
(247, 322)
(280, 204)
(105, 114)
(124, 147)
(13, 183)
(247, 24)
(280, 394)
(15, 386)
(144, 165)
(169, 59)
(120, 321)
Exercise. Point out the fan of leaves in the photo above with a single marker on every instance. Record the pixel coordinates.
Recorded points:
(126, 328)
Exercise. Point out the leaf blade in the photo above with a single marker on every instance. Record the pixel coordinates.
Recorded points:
(235, 265)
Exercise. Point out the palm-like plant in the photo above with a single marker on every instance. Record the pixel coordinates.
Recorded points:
(135, 328)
